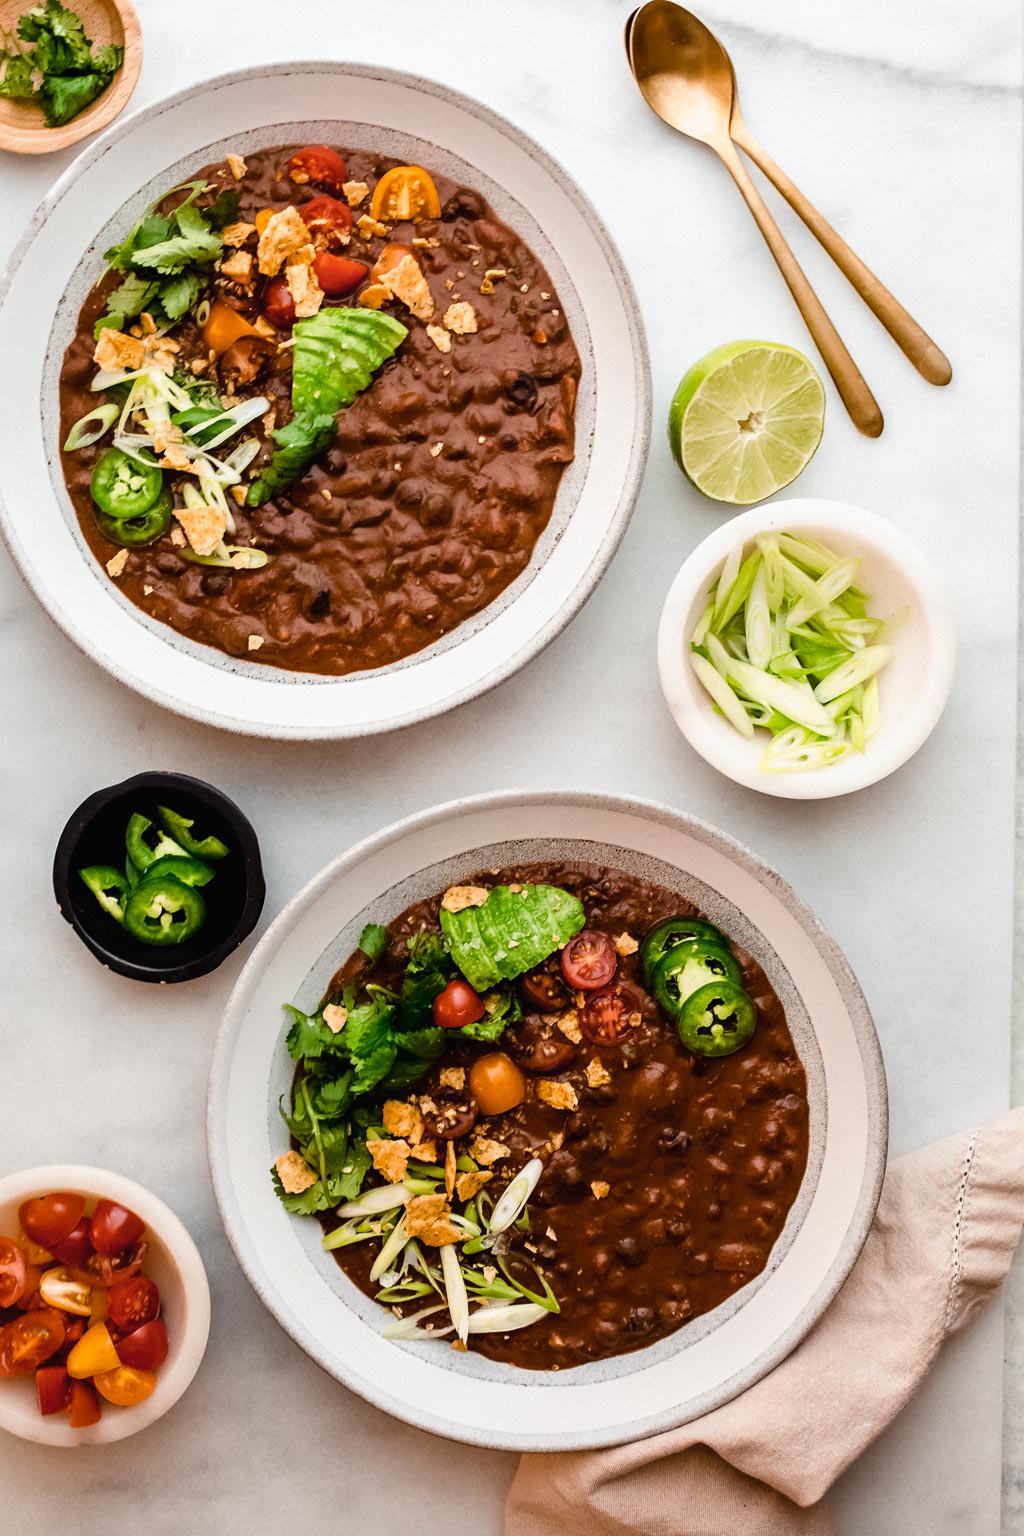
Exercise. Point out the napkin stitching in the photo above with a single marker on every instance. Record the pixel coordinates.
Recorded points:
(956, 1272)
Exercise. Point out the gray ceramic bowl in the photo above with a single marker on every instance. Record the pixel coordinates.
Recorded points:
(464, 1395)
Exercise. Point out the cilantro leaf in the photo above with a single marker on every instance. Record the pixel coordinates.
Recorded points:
(108, 59)
(178, 296)
(311, 1200)
(373, 941)
(59, 70)
(224, 209)
(181, 250)
(427, 952)
(131, 297)
(483, 1029)
(62, 97)
(17, 83)
(309, 1036)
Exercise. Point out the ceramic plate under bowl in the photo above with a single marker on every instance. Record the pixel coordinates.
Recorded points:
(61, 256)
(467, 1396)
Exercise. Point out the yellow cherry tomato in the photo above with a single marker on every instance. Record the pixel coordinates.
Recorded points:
(59, 1288)
(34, 1253)
(93, 1353)
(496, 1083)
(263, 218)
(405, 192)
(224, 326)
(125, 1385)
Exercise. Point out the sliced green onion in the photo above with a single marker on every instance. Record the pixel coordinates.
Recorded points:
(396, 1241)
(255, 559)
(794, 700)
(723, 695)
(871, 711)
(730, 599)
(498, 1319)
(703, 625)
(455, 1290)
(730, 571)
(867, 663)
(385, 1197)
(826, 589)
(82, 435)
(202, 313)
(408, 1327)
(758, 626)
(512, 1201)
(795, 751)
(769, 547)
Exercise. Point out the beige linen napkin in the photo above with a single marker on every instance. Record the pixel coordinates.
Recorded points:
(947, 1225)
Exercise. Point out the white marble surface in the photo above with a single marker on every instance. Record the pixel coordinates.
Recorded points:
(903, 123)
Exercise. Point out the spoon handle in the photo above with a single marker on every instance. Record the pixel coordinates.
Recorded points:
(914, 342)
(853, 391)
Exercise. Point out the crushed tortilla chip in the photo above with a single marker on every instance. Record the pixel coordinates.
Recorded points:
(597, 1073)
(115, 351)
(457, 897)
(428, 1218)
(117, 563)
(440, 337)
(283, 235)
(236, 165)
(558, 1095)
(569, 1024)
(355, 192)
(334, 1015)
(375, 296)
(625, 944)
(453, 1077)
(238, 267)
(406, 283)
(469, 1184)
(486, 1151)
(178, 538)
(460, 319)
(304, 289)
(204, 527)
(389, 1158)
(295, 1173)
(368, 226)
(449, 1168)
(402, 1120)
(425, 1151)
(600, 1189)
(237, 234)
(492, 273)
(254, 642)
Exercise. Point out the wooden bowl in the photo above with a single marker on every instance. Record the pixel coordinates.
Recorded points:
(22, 129)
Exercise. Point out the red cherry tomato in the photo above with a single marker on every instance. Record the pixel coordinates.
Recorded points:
(49, 1218)
(589, 960)
(84, 1408)
(76, 1248)
(326, 217)
(13, 1273)
(132, 1302)
(145, 1347)
(318, 164)
(611, 1014)
(457, 1005)
(277, 304)
(74, 1327)
(53, 1389)
(337, 275)
(104, 1268)
(30, 1340)
(114, 1227)
(543, 990)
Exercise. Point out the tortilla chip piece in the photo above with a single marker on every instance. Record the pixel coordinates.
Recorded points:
(389, 1158)
(449, 1168)
(569, 1024)
(402, 1120)
(117, 563)
(284, 234)
(484, 1150)
(237, 234)
(374, 297)
(406, 283)
(558, 1095)
(238, 267)
(597, 1074)
(453, 1077)
(204, 527)
(440, 337)
(425, 1151)
(469, 1184)
(295, 1173)
(355, 192)
(457, 897)
(236, 165)
(600, 1189)
(625, 944)
(116, 351)
(428, 1218)
(334, 1015)
(304, 289)
(460, 318)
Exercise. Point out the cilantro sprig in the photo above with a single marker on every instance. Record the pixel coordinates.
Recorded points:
(52, 62)
(168, 257)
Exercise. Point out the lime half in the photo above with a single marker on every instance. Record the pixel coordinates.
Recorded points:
(746, 420)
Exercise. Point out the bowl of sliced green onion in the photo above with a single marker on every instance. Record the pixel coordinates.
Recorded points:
(806, 648)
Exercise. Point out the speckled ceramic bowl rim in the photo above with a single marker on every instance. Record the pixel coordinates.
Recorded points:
(618, 519)
(840, 971)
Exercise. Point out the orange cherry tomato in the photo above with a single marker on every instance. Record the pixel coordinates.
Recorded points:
(30, 1340)
(48, 1219)
(337, 275)
(93, 1353)
(125, 1385)
(496, 1083)
(224, 327)
(319, 164)
(13, 1273)
(84, 1407)
(263, 218)
(405, 192)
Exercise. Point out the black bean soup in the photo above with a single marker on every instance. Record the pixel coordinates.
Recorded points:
(441, 478)
(666, 1189)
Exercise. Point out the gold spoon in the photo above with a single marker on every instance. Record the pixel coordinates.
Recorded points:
(685, 77)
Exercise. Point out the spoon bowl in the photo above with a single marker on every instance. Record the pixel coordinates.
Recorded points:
(683, 72)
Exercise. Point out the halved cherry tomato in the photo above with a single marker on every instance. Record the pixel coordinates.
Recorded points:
(35, 1253)
(76, 1249)
(389, 258)
(405, 192)
(30, 1340)
(611, 1014)
(318, 164)
(145, 1347)
(74, 1327)
(104, 1268)
(114, 1227)
(60, 1289)
(94, 1352)
(13, 1273)
(263, 218)
(49, 1218)
(337, 275)
(325, 217)
(589, 960)
(30, 1295)
(225, 326)
(496, 1083)
(132, 1302)
(85, 1407)
(124, 1385)
(543, 990)
(53, 1389)
(277, 304)
(457, 1005)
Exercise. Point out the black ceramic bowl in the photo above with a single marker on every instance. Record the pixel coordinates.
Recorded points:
(95, 835)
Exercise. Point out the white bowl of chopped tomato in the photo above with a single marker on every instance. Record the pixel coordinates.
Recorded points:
(104, 1306)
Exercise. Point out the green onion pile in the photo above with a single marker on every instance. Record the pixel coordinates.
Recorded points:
(786, 645)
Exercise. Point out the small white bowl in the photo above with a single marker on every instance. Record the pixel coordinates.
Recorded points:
(914, 686)
(173, 1262)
